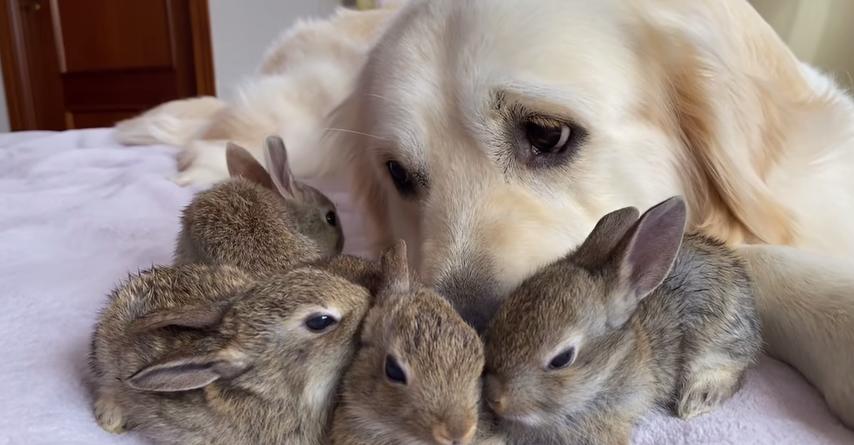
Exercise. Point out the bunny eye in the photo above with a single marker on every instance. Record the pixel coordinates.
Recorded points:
(563, 359)
(320, 322)
(393, 370)
(331, 219)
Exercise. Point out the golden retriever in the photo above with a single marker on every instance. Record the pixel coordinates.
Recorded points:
(496, 133)
(493, 134)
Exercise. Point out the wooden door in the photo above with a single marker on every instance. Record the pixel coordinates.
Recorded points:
(89, 63)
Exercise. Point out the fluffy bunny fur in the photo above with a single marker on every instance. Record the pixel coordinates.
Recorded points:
(633, 333)
(694, 98)
(258, 221)
(364, 272)
(440, 356)
(201, 355)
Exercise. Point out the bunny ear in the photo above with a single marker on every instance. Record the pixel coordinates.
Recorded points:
(600, 244)
(280, 169)
(197, 317)
(189, 372)
(395, 269)
(644, 257)
(242, 164)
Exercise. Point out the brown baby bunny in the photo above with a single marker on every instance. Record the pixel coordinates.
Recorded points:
(259, 221)
(364, 272)
(626, 322)
(416, 377)
(201, 354)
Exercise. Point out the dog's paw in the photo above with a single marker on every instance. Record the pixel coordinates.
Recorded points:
(198, 177)
(109, 415)
(201, 164)
(194, 173)
(841, 401)
(706, 391)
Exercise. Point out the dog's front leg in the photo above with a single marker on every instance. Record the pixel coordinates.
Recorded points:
(806, 302)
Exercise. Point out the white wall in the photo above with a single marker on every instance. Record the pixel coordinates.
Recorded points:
(818, 31)
(4, 112)
(241, 31)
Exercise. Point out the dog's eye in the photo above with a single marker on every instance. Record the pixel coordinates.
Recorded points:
(547, 138)
(401, 178)
(320, 322)
(563, 359)
(331, 219)
(547, 141)
(393, 371)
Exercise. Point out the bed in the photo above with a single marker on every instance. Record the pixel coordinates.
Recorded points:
(78, 213)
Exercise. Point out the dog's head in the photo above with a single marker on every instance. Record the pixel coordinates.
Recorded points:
(492, 135)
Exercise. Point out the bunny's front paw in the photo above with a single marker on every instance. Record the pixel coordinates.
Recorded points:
(109, 415)
(706, 391)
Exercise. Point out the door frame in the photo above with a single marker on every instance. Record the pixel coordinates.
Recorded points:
(16, 78)
(200, 24)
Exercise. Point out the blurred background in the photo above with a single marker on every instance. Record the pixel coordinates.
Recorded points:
(242, 30)
(88, 63)
(820, 32)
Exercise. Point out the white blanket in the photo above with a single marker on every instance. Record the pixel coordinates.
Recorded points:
(78, 213)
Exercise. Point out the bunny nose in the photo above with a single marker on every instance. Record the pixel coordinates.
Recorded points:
(498, 404)
(496, 398)
(461, 436)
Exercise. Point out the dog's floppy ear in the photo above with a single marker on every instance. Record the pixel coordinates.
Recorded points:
(732, 83)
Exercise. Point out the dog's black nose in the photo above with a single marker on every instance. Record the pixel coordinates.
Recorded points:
(472, 291)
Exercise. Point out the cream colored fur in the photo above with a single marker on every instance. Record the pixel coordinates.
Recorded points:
(698, 98)
(175, 123)
(807, 309)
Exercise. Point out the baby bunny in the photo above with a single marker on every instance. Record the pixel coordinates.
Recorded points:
(361, 271)
(259, 221)
(590, 343)
(200, 354)
(416, 377)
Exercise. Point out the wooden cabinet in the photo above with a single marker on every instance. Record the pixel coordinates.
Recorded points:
(88, 63)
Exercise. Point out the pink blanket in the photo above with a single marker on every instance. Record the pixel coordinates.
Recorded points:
(78, 213)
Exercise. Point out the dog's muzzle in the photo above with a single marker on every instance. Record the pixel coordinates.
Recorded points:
(472, 291)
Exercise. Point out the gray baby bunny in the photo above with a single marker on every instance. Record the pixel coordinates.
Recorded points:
(416, 377)
(259, 221)
(201, 354)
(627, 321)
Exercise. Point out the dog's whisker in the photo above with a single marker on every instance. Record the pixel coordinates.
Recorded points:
(344, 130)
(377, 96)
